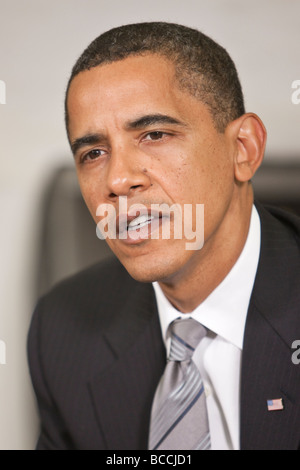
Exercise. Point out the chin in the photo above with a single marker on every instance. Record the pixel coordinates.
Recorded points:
(163, 262)
(151, 271)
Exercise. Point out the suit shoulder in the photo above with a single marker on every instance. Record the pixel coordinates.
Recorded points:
(93, 294)
(280, 221)
(100, 279)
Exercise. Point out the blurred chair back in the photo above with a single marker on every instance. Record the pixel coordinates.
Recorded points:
(68, 239)
(278, 185)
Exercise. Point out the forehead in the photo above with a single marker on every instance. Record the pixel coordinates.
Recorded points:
(135, 74)
(113, 93)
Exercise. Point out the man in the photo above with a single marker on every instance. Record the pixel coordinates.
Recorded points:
(155, 116)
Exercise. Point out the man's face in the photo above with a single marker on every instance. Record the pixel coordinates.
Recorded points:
(136, 134)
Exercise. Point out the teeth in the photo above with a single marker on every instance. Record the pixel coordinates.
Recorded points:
(140, 221)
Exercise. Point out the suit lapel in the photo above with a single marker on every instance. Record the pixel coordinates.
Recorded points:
(272, 325)
(123, 392)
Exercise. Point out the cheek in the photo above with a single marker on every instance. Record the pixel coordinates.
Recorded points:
(179, 177)
(208, 180)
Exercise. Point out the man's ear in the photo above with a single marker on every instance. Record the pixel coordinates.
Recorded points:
(249, 135)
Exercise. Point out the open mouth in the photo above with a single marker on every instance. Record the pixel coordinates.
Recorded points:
(141, 226)
(140, 222)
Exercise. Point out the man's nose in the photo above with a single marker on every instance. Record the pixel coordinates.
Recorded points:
(126, 173)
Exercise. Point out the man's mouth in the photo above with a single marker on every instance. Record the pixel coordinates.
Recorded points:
(138, 227)
(139, 222)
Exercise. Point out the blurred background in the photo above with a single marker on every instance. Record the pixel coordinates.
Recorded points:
(39, 199)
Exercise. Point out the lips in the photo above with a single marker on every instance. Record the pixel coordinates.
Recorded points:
(138, 226)
(139, 222)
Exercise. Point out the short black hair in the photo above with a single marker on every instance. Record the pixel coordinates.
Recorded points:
(202, 66)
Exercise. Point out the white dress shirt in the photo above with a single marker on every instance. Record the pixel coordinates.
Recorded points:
(218, 356)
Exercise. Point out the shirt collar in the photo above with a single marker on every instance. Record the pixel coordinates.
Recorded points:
(224, 311)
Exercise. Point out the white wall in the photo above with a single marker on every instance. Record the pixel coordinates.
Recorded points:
(39, 42)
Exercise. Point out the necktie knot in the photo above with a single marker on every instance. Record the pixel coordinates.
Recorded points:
(185, 336)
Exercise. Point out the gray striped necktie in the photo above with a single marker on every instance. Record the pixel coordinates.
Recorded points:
(179, 415)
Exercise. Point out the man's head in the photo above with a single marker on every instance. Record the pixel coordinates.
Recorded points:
(156, 130)
(202, 67)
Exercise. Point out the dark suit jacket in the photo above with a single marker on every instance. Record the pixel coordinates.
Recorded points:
(96, 353)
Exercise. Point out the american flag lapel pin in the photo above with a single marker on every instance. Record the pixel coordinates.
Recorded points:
(275, 404)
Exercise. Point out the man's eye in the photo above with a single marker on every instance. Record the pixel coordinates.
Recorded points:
(156, 135)
(92, 155)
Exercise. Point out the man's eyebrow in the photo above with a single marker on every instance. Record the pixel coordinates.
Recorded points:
(151, 119)
(139, 123)
(88, 139)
